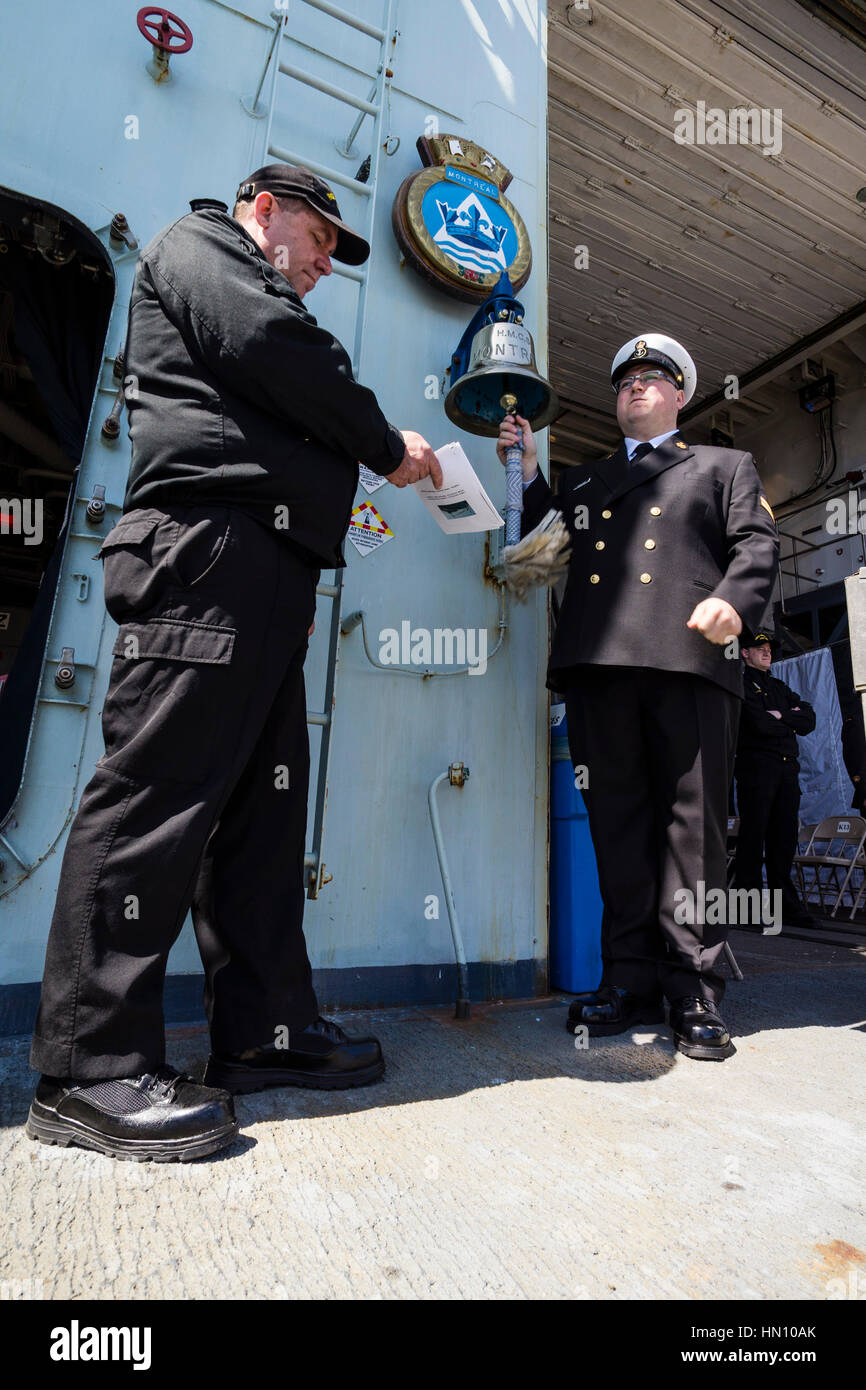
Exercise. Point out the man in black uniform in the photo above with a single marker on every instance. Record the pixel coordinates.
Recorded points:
(766, 768)
(247, 426)
(673, 549)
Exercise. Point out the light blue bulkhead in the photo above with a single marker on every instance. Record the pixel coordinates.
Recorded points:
(73, 78)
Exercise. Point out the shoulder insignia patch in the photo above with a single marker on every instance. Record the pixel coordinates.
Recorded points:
(765, 504)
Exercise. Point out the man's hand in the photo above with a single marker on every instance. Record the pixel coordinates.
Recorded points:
(777, 714)
(511, 433)
(419, 461)
(716, 620)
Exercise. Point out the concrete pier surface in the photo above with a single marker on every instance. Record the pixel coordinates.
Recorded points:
(495, 1161)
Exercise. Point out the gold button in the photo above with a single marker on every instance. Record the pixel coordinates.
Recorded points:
(655, 511)
(599, 545)
(649, 545)
(607, 514)
(646, 579)
(593, 579)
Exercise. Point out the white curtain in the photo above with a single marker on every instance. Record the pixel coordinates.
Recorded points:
(824, 780)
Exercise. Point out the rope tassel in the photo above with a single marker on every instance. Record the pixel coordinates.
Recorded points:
(540, 559)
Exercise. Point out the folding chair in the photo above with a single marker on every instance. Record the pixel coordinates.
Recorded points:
(836, 846)
(858, 870)
(804, 839)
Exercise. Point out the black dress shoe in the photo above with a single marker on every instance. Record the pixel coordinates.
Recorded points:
(160, 1115)
(321, 1055)
(610, 1010)
(699, 1031)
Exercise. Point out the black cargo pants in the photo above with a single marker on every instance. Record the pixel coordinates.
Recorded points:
(199, 801)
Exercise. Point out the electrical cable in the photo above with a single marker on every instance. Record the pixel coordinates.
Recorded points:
(827, 465)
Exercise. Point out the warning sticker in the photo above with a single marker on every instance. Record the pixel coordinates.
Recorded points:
(368, 529)
(370, 481)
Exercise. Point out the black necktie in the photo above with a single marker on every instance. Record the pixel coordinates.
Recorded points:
(640, 451)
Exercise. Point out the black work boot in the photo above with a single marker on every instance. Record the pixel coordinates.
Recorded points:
(610, 1009)
(699, 1031)
(159, 1115)
(321, 1055)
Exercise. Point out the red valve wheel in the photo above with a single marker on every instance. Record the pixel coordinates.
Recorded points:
(162, 28)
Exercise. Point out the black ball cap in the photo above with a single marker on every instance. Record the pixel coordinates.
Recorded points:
(749, 639)
(294, 181)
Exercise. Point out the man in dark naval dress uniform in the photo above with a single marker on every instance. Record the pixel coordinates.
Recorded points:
(766, 769)
(673, 551)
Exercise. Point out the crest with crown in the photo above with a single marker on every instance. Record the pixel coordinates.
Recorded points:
(461, 246)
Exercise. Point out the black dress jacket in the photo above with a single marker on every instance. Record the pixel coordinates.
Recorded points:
(236, 396)
(650, 540)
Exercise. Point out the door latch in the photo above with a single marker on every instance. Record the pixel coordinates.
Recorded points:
(64, 676)
(95, 511)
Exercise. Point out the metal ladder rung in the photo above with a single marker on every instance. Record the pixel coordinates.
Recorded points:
(329, 89)
(329, 590)
(345, 18)
(348, 272)
(332, 175)
(315, 716)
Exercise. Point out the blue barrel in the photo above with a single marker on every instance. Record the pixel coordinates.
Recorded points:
(575, 900)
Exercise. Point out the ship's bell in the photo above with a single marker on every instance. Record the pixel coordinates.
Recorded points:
(496, 358)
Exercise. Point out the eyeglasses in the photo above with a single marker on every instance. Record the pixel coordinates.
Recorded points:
(655, 374)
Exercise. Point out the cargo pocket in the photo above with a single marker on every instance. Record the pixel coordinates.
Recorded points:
(168, 700)
(130, 529)
(134, 581)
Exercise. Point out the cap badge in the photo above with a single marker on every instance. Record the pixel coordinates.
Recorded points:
(640, 348)
(680, 444)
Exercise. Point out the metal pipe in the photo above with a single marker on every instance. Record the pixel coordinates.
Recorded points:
(357, 619)
(456, 775)
(253, 106)
(346, 148)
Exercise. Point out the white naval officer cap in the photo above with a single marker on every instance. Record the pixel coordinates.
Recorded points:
(666, 352)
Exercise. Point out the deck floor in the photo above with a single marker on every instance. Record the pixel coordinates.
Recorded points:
(495, 1161)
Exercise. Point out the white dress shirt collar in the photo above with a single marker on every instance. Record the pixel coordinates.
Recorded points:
(632, 444)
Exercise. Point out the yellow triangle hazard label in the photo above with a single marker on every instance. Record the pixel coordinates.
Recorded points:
(367, 518)
(368, 529)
